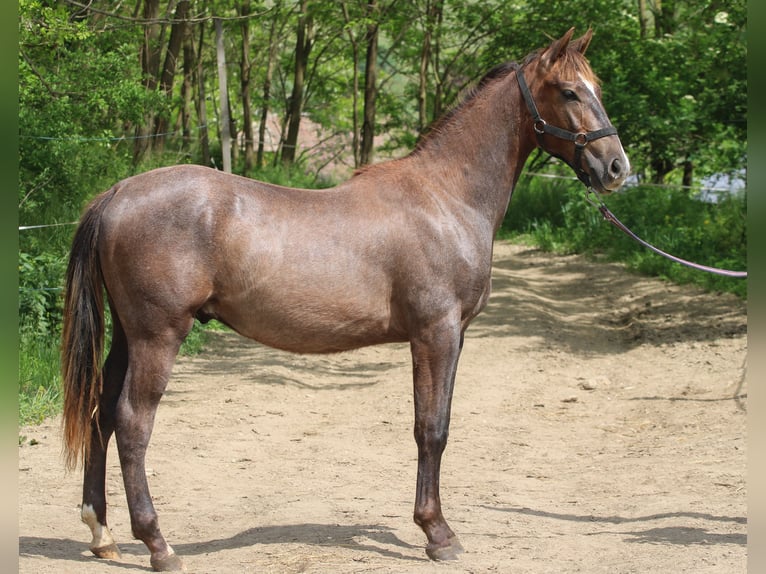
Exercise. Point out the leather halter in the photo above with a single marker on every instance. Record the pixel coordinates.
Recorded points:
(541, 127)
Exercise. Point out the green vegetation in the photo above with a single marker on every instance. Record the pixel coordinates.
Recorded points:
(109, 89)
(554, 215)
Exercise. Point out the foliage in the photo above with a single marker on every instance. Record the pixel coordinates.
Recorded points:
(96, 106)
(556, 217)
(39, 377)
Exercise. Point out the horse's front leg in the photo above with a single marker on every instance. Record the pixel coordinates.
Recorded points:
(435, 355)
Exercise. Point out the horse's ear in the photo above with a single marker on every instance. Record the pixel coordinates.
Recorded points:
(558, 47)
(582, 43)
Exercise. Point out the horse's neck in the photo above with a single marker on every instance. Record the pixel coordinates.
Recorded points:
(481, 151)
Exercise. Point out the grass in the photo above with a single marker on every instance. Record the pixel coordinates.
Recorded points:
(555, 217)
(40, 392)
(39, 379)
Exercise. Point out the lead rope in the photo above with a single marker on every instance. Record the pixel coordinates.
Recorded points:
(596, 201)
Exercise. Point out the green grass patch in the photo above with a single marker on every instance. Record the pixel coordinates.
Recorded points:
(40, 392)
(39, 378)
(554, 215)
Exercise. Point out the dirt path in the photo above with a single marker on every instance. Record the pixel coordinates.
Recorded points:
(598, 426)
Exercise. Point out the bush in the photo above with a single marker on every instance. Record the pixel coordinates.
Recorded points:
(556, 217)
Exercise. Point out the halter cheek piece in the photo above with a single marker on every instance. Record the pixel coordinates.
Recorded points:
(541, 128)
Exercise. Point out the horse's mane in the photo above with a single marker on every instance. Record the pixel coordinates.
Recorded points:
(570, 64)
(497, 73)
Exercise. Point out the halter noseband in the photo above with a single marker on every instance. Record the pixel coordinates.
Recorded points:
(541, 127)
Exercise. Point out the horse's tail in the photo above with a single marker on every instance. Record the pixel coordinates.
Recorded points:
(82, 339)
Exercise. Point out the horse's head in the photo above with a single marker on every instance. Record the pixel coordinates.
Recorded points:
(564, 98)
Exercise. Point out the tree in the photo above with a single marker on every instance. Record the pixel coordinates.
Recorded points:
(370, 87)
(245, 67)
(304, 41)
(674, 79)
(276, 27)
(178, 30)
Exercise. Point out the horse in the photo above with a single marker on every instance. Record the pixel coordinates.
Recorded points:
(400, 252)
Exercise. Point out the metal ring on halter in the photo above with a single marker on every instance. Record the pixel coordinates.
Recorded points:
(581, 139)
(540, 126)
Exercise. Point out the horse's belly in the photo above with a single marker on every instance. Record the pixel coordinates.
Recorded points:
(314, 322)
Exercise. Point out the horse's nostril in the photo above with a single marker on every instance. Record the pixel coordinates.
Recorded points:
(615, 169)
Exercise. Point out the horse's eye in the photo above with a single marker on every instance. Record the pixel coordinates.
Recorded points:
(569, 95)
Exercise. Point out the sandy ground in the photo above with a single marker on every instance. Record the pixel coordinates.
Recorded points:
(598, 426)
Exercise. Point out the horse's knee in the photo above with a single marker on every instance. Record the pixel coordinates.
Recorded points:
(144, 523)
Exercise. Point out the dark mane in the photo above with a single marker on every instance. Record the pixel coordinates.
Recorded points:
(497, 73)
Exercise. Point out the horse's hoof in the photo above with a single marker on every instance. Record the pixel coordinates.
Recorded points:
(447, 552)
(455, 543)
(168, 563)
(110, 552)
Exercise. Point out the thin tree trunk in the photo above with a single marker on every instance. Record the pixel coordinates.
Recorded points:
(355, 86)
(273, 47)
(688, 177)
(645, 18)
(438, 14)
(370, 88)
(303, 45)
(245, 68)
(425, 56)
(224, 97)
(433, 17)
(150, 66)
(177, 33)
(187, 89)
(204, 138)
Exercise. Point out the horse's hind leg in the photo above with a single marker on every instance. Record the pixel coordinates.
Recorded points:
(93, 510)
(149, 367)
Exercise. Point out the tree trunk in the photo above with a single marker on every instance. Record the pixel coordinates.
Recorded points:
(150, 66)
(433, 14)
(370, 89)
(660, 168)
(355, 86)
(224, 97)
(245, 67)
(273, 50)
(177, 33)
(303, 47)
(425, 57)
(438, 101)
(187, 89)
(201, 103)
(645, 18)
(688, 177)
